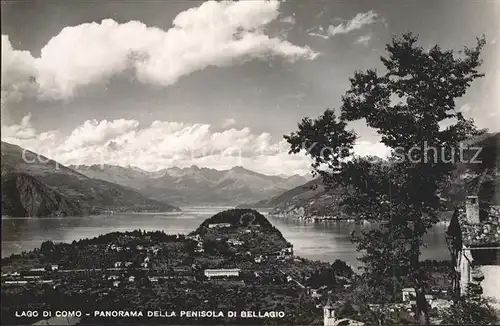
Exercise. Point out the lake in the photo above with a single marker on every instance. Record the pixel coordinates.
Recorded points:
(319, 241)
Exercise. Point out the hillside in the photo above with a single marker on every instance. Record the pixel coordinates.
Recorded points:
(240, 231)
(482, 178)
(481, 175)
(23, 195)
(92, 195)
(195, 185)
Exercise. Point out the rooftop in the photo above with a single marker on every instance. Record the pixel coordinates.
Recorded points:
(485, 233)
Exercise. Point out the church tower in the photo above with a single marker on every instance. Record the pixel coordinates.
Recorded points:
(328, 314)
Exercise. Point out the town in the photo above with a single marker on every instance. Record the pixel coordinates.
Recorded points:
(235, 261)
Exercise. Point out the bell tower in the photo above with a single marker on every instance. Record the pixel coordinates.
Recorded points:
(328, 314)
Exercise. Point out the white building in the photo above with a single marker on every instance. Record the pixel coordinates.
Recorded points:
(235, 242)
(409, 294)
(226, 272)
(328, 314)
(330, 320)
(219, 225)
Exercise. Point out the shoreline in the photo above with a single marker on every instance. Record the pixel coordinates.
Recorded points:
(329, 219)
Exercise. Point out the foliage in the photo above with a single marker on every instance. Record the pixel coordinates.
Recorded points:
(471, 309)
(340, 268)
(406, 105)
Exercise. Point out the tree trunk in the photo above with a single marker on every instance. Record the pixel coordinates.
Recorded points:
(422, 307)
(422, 313)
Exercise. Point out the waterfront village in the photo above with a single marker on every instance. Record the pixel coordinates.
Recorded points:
(235, 268)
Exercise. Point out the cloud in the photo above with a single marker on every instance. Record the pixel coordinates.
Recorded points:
(364, 40)
(217, 34)
(228, 122)
(367, 148)
(18, 72)
(164, 144)
(357, 22)
(318, 32)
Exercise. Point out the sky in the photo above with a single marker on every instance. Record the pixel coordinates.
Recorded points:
(157, 84)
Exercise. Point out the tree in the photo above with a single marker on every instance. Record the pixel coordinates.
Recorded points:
(471, 309)
(341, 268)
(406, 105)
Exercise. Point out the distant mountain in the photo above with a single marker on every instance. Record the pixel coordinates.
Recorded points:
(36, 177)
(195, 185)
(480, 174)
(309, 199)
(470, 177)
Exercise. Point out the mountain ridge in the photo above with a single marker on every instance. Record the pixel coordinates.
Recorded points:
(49, 179)
(196, 185)
(311, 199)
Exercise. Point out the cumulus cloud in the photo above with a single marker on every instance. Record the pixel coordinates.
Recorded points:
(18, 72)
(367, 148)
(164, 144)
(357, 22)
(214, 34)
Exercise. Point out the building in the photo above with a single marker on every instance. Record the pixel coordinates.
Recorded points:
(288, 251)
(235, 242)
(328, 314)
(131, 278)
(118, 264)
(225, 272)
(473, 238)
(54, 267)
(196, 237)
(219, 225)
(408, 294)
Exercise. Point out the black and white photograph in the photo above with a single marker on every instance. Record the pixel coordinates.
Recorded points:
(252, 162)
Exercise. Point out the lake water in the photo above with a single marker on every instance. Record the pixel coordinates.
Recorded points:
(318, 241)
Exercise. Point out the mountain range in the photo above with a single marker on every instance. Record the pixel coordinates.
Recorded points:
(194, 185)
(46, 187)
(33, 185)
(469, 177)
